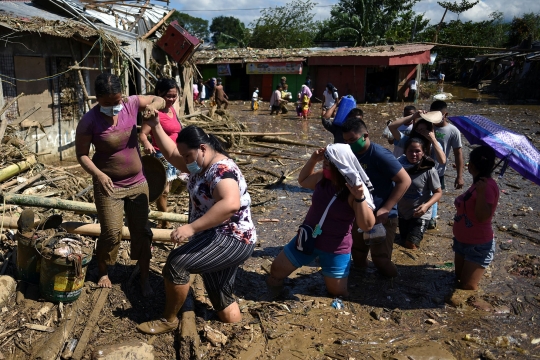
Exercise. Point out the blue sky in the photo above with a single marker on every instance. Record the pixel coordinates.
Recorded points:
(430, 7)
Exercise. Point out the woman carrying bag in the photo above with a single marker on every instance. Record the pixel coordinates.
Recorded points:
(341, 194)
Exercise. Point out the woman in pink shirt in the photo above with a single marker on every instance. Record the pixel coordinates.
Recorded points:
(117, 174)
(167, 89)
(474, 245)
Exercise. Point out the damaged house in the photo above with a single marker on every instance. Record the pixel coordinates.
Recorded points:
(52, 51)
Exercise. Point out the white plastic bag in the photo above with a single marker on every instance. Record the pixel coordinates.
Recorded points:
(387, 134)
(377, 235)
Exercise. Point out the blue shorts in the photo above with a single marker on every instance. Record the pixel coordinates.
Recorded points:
(169, 169)
(481, 254)
(335, 266)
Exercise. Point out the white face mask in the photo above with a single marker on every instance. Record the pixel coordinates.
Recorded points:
(111, 110)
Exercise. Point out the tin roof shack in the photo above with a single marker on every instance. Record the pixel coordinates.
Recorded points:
(515, 72)
(47, 56)
(369, 74)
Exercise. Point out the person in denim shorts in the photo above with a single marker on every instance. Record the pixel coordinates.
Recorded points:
(474, 245)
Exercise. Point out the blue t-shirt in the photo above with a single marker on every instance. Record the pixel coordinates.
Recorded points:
(380, 166)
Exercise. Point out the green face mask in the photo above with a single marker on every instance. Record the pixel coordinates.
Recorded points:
(358, 145)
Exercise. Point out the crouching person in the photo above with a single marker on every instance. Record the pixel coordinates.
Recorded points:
(220, 230)
(341, 194)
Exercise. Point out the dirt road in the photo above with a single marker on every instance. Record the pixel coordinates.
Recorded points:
(407, 318)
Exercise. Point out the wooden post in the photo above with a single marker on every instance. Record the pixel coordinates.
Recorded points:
(81, 80)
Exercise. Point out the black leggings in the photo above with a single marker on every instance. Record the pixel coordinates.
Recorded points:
(412, 229)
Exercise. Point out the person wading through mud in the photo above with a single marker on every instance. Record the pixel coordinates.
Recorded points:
(474, 244)
(330, 98)
(219, 95)
(414, 208)
(450, 138)
(220, 231)
(167, 89)
(275, 100)
(117, 174)
(390, 182)
(337, 130)
(342, 202)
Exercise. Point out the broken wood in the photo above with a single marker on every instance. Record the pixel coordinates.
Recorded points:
(26, 183)
(270, 172)
(280, 140)
(52, 346)
(84, 191)
(17, 168)
(265, 146)
(81, 79)
(152, 30)
(38, 327)
(188, 337)
(265, 155)
(8, 184)
(43, 182)
(90, 324)
(26, 115)
(4, 124)
(79, 206)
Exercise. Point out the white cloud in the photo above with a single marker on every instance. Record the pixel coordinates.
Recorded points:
(431, 9)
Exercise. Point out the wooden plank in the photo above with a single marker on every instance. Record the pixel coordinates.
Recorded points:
(152, 30)
(191, 108)
(90, 324)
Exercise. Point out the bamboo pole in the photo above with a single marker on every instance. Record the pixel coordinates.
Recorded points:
(84, 207)
(17, 168)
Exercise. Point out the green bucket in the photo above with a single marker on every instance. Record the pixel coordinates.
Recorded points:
(62, 271)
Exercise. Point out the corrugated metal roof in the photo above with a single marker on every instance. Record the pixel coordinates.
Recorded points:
(238, 55)
(387, 50)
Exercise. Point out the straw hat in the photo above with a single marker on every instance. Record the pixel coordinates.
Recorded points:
(155, 174)
(434, 117)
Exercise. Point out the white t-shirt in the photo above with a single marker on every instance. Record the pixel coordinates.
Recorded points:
(329, 99)
(405, 130)
(412, 84)
(255, 96)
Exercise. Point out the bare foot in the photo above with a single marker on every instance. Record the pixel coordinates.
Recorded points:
(146, 289)
(104, 282)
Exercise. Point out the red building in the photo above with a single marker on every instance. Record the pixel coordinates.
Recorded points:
(368, 73)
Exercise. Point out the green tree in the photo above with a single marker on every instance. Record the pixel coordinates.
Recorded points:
(372, 22)
(288, 26)
(194, 25)
(526, 27)
(228, 31)
(455, 8)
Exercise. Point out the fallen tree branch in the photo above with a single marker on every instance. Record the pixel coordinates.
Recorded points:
(279, 140)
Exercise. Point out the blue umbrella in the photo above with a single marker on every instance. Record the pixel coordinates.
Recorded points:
(513, 148)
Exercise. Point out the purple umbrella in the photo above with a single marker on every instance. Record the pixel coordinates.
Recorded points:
(513, 148)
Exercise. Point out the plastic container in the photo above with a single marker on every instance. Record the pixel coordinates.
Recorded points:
(64, 263)
(337, 304)
(377, 235)
(346, 104)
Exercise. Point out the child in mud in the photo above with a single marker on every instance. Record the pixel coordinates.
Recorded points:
(414, 208)
(474, 245)
(336, 204)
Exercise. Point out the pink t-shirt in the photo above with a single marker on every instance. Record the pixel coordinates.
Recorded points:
(467, 229)
(117, 148)
(170, 125)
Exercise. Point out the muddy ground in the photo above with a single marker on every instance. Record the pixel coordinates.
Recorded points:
(417, 314)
